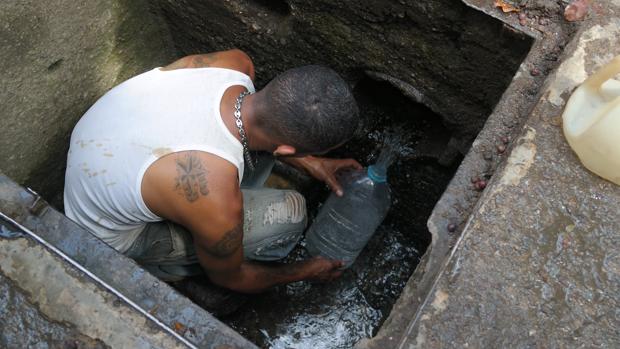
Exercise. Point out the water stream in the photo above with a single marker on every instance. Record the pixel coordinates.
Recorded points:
(334, 315)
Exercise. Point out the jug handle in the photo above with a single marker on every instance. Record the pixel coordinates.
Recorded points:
(605, 73)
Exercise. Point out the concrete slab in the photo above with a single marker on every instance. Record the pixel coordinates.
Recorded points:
(54, 293)
(537, 264)
(63, 295)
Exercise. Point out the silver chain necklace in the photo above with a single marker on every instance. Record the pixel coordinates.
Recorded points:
(242, 134)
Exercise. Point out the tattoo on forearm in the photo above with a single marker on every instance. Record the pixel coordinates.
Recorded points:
(229, 244)
(191, 180)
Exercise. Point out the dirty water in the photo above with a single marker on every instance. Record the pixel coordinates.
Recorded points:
(334, 315)
(339, 314)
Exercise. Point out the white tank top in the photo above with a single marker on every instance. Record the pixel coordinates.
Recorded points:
(144, 118)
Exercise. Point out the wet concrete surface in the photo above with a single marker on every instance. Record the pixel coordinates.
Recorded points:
(49, 303)
(437, 47)
(24, 326)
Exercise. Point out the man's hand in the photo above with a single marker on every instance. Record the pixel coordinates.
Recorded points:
(325, 169)
(320, 269)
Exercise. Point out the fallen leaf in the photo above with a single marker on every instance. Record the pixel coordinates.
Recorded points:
(576, 10)
(179, 327)
(505, 6)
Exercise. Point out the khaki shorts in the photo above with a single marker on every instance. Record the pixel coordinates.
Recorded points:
(273, 223)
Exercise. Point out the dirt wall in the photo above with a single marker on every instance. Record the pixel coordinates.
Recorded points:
(457, 60)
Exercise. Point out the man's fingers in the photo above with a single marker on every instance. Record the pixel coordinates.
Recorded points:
(348, 163)
(330, 178)
(329, 269)
(354, 164)
(332, 182)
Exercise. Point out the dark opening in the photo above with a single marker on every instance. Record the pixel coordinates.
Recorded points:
(280, 7)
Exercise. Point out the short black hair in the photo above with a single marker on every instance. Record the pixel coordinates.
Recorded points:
(310, 108)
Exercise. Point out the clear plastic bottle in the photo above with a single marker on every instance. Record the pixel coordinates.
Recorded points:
(345, 224)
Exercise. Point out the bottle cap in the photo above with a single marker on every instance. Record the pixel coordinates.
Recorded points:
(377, 175)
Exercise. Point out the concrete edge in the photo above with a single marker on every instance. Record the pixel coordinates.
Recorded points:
(554, 90)
(459, 199)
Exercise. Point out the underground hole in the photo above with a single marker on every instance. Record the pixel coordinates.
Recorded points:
(280, 7)
(341, 313)
(429, 74)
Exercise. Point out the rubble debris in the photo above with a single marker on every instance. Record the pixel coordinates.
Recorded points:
(179, 328)
(576, 10)
(480, 185)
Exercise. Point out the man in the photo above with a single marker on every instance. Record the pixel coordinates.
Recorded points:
(155, 166)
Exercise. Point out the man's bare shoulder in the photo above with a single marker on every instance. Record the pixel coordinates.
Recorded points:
(189, 183)
(234, 59)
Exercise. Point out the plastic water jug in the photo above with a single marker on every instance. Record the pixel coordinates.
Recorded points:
(345, 224)
(592, 122)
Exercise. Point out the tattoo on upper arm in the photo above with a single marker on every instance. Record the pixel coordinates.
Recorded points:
(195, 61)
(205, 60)
(191, 180)
(229, 244)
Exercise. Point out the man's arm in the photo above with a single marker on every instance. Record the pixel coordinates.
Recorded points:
(218, 244)
(207, 201)
(234, 59)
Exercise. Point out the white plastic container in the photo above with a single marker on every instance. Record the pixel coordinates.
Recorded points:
(592, 122)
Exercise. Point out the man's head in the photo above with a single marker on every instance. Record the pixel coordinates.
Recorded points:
(309, 108)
